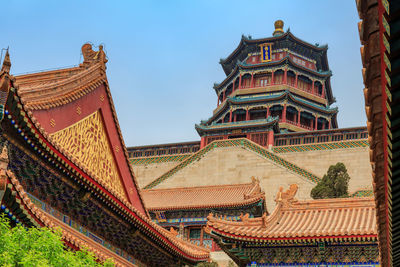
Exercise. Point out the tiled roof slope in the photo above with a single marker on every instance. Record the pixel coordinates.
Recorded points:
(312, 219)
(204, 196)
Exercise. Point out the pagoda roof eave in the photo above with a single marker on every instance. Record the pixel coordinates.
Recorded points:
(244, 41)
(271, 121)
(280, 62)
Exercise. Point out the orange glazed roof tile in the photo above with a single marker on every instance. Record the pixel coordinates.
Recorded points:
(203, 196)
(311, 219)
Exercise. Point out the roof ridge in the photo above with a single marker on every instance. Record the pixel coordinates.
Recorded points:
(194, 188)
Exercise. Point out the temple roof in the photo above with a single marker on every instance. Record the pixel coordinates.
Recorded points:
(216, 196)
(21, 127)
(345, 218)
(45, 94)
(247, 41)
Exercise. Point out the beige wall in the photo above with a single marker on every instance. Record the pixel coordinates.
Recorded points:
(356, 161)
(147, 173)
(236, 165)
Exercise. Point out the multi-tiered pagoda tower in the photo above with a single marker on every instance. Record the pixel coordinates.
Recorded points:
(276, 84)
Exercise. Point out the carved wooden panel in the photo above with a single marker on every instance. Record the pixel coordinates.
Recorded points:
(87, 141)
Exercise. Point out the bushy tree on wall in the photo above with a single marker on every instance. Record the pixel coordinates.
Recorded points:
(20, 246)
(334, 184)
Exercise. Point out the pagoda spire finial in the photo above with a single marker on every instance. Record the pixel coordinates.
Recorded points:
(278, 28)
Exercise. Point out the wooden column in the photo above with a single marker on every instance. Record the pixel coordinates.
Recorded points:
(298, 117)
(330, 124)
(272, 78)
(218, 101)
(285, 77)
(270, 139)
(323, 91)
(233, 85)
(230, 116)
(316, 123)
(312, 87)
(247, 115)
(240, 81)
(284, 113)
(223, 96)
(234, 117)
(252, 80)
(267, 111)
(295, 82)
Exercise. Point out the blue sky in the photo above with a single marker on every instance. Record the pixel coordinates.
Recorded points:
(163, 55)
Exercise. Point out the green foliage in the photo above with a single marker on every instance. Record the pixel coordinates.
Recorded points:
(334, 184)
(39, 247)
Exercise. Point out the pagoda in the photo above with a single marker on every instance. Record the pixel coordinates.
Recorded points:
(279, 84)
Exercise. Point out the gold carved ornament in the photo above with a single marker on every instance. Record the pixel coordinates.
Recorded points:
(87, 142)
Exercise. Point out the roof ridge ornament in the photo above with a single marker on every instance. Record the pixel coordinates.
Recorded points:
(287, 198)
(6, 63)
(90, 56)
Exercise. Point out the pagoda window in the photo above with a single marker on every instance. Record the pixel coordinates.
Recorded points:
(306, 120)
(291, 114)
(246, 80)
(258, 114)
(304, 83)
(194, 233)
(276, 111)
(291, 78)
(262, 80)
(278, 76)
(318, 88)
(240, 115)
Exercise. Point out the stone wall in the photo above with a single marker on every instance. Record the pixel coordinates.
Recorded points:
(356, 161)
(146, 173)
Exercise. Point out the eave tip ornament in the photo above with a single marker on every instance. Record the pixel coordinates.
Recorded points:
(278, 28)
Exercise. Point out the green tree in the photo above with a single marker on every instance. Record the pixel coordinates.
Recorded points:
(20, 246)
(334, 184)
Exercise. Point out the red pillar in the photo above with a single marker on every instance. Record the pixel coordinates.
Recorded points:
(247, 115)
(270, 139)
(284, 113)
(234, 117)
(223, 96)
(217, 101)
(272, 78)
(285, 77)
(316, 123)
(298, 117)
(312, 87)
(202, 142)
(330, 124)
(240, 81)
(230, 116)
(267, 111)
(233, 86)
(252, 81)
(295, 82)
(323, 91)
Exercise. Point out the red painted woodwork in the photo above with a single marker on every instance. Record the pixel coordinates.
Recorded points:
(67, 115)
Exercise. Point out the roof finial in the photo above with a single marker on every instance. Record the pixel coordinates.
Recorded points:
(6, 63)
(278, 28)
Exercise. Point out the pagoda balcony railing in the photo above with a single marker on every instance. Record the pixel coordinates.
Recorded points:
(293, 85)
